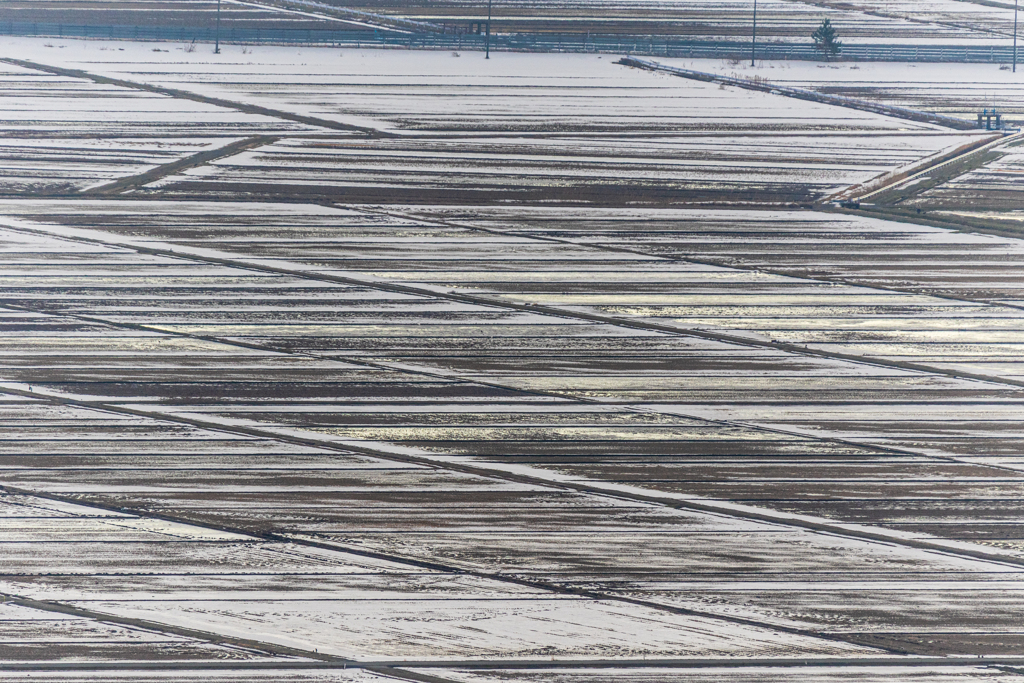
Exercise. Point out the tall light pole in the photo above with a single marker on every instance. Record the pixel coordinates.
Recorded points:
(1015, 2)
(216, 48)
(487, 41)
(753, 37)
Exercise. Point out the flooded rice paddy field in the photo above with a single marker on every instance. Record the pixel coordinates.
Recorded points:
(322, 400)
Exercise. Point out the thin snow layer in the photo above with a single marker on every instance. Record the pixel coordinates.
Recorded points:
(976, 16)
(380, 628)
(864, 318)
(778, 20)
(248, 674)
(469, 522)
(470, 426)
(377, 87)
(531, 128)
(753, 166)
(992, 190)
(967, 673)
(514, 407)
(173, 13)
(760, 305)
(334, 602)
(36, 635)
(961, 90)
(352, 605)
(64, 134)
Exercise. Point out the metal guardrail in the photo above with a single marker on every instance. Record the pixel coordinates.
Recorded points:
(656, 46)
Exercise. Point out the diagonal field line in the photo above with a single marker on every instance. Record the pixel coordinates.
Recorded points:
(195, 97)
(891, 111)
(297, 271)
(301, 273)
(192, 161)
(388, 666)
(482, 468)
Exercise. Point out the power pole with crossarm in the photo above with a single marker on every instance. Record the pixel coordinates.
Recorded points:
(487, 42)
(216, 48)
(753, 37)
(1015, 15)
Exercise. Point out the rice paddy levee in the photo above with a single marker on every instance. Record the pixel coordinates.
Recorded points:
(801, 94)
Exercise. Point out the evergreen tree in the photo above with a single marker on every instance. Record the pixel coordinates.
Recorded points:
(826, 40)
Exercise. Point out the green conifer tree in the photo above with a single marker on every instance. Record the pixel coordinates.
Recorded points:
(827, 40)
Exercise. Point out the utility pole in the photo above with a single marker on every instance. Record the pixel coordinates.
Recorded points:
(488, 39)
(753, 37)
(1015, 14)
(216, 48)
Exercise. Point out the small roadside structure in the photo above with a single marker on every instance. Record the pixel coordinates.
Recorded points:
(990, 119)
